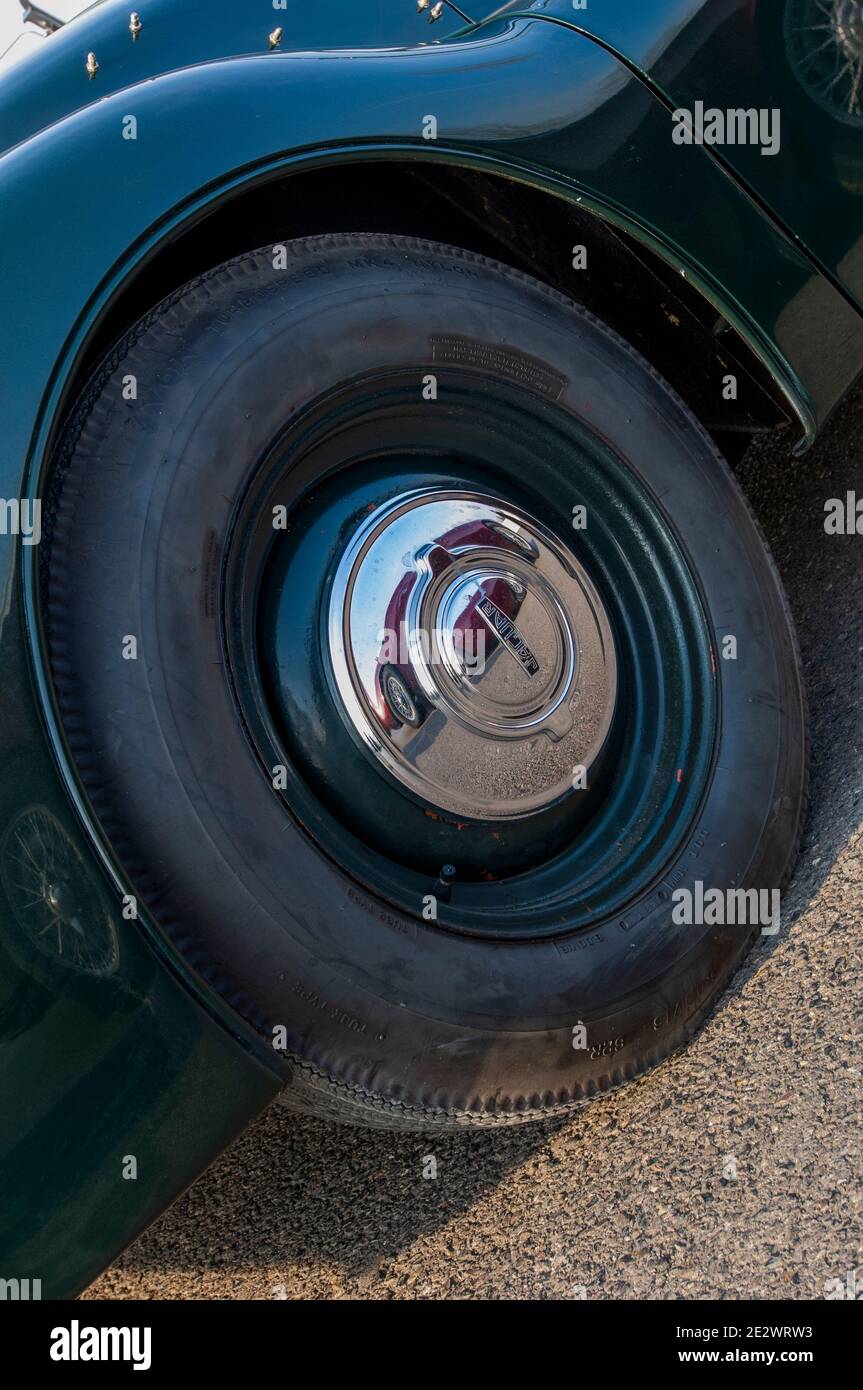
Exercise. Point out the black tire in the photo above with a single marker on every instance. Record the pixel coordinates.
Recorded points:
(390, 1019)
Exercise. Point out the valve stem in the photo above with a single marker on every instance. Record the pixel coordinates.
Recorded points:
(446, 878)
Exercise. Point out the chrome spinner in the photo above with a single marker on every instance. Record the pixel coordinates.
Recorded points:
(471, 654)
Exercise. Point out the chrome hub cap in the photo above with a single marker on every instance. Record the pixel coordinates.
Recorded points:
(476, 710)
(471, 654)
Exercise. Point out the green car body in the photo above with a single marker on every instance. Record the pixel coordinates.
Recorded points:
(120, 1052)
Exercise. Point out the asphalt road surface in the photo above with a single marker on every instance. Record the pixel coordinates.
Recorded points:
(732, 1171)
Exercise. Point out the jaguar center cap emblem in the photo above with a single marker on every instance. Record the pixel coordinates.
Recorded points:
(506, 631)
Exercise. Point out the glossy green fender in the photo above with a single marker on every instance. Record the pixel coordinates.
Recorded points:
(130, 1057)
(779, 57)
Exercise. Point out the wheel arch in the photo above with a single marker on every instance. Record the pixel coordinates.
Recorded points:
(554, 119)
(636, 289)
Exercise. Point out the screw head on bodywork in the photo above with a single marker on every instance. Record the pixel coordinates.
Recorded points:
(422, 5)
(135, 25)
(436, 11)
(92, 66)
(275, 38)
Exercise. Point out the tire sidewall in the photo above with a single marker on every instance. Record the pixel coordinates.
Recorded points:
(365, 992)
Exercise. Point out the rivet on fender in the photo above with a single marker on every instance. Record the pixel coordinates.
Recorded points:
(92, 66)
(135, 25)
(275, 38)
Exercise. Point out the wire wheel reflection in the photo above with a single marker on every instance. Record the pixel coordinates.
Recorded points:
(824, 39)
(55, 897)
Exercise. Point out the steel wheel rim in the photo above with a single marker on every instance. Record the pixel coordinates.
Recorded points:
(603, 857)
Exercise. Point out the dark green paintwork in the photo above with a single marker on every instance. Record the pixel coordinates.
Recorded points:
(740, 54)
(147, 1062)
(176, 35)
